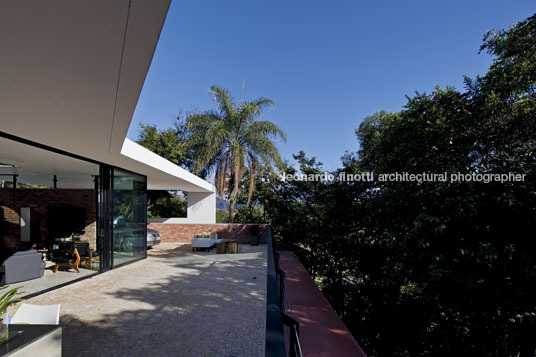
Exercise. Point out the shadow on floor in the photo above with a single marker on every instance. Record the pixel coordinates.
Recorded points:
(175, 306)
(50, 280)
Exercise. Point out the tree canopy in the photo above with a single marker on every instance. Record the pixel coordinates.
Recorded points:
(169, 144)
(429, 268)
(230, 140)
(413, 268)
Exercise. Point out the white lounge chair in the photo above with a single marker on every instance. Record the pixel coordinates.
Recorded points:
(37, 315)
(206, 242)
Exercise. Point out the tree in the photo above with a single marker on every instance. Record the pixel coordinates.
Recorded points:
(231, 140)
(169, 144)
(431, 268)
(165, 204)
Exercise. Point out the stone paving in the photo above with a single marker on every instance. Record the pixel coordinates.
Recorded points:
(175, 303)
(50, 279)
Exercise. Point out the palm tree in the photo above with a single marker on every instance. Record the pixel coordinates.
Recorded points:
(230, 139)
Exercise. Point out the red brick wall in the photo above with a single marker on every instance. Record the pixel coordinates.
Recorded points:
(184, 232)
(12, 200)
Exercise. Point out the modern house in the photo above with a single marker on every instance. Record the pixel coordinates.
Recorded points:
(71, 73)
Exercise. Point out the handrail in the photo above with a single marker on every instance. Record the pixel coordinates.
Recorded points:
(294, 343)
(275, 340)
(282, 331)
(291, 326)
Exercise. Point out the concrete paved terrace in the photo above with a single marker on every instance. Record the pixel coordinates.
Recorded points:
(175, 303)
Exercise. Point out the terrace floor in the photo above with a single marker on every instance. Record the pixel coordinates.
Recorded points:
(175, 303)
(51, 279)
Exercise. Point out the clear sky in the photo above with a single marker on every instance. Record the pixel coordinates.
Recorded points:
(326, 64)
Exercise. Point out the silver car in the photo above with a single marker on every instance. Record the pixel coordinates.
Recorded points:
(153, 237)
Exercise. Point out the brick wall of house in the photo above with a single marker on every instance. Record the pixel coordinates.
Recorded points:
(184, 232)
(12, 200)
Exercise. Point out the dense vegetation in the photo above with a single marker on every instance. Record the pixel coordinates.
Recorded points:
(231, 141)
(429, 268)
(169, 144)
(413, 268)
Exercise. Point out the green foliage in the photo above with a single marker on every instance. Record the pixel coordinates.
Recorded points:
(430, 268)
(124, 209)
(231, 140)
(9, 184)
(164, 204)
(167, 143)
(8, 298)
(222, 216)
(249, 214)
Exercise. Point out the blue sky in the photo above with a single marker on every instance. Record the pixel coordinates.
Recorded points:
(326, 64)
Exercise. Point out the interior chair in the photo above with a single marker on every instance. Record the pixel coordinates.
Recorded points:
(86, 253)
(37, 315)
(70, 259)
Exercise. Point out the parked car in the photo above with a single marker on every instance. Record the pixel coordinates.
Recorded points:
(153, 237)
(127, 239)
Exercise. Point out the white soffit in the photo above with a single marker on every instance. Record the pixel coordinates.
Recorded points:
(166, 177)
(71, 72)
(37, 166)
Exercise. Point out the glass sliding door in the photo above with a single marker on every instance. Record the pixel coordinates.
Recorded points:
(105, 218)
(48, 217)
(129, 202)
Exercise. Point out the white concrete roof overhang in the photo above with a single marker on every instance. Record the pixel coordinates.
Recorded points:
(37, 166)
(71, 74)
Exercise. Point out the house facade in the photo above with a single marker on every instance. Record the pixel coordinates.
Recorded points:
(71, 75)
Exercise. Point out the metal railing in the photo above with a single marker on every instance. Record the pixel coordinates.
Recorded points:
(282, 330)
(275, 340)
(292, 342)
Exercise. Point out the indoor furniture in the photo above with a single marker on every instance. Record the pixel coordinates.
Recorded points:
(22, 265)
(86, 253)
(69, 258)
(44, 252)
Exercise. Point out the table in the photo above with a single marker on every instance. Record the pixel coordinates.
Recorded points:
(227, 246)
(44, 252)
(32, 340)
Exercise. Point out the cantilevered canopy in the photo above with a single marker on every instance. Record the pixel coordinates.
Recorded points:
(32, 165)
(71, 73)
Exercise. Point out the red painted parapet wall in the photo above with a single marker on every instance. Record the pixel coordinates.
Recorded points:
(184, 232)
